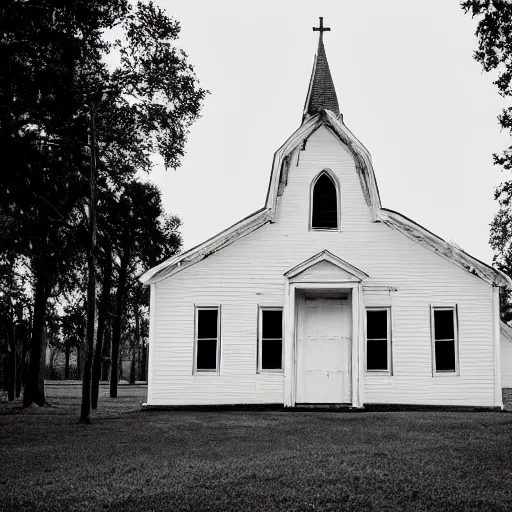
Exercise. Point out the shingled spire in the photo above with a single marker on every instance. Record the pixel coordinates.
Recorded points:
(321, 93)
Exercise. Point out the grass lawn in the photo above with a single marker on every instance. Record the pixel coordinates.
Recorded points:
(128, 460)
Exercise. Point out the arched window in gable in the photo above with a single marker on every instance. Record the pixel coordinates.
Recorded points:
(324, 202)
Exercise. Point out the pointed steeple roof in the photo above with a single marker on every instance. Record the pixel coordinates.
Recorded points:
(321, 92)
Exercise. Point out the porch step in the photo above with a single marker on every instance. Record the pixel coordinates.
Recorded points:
(325, 406)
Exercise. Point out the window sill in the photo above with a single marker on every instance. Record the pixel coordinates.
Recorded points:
(385, 373)
(326, 229)
(206, 372)
(446, 374)
(269, 371)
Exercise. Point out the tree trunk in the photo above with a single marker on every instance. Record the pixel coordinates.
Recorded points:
(105, 356)
(143, 363)
(34, 386)
(19, 367)
(132, 368)
(120, 373)
(79, 358)
(85, 410)
(131, 378)
(11, 384)
(21, 346)
(49, 376)
(135, 346)
(4, 359)
(67, 353)
(116, 327)
(102, 320)
(139, 361)
(24, 355)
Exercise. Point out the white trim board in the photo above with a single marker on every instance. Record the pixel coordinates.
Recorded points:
(325, 255)
(290, 341)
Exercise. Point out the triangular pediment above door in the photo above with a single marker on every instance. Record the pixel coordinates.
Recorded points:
(325, 266)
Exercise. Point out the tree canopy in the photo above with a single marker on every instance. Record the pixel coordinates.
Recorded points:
(62, 108)
(494, 53)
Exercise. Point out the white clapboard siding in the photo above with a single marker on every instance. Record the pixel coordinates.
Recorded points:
(506, 361)
(250, 272)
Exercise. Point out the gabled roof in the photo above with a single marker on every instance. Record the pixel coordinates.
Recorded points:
(266, 214)
(371, 193)
(202, 251)
(322, 109)
(448, 251)
(325, 255)
(296, 141)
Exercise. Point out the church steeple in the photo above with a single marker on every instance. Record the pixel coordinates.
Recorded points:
(321, 92)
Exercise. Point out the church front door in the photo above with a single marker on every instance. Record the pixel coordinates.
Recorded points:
(323, 351)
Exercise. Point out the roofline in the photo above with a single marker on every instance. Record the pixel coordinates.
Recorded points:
(361, 156)
(328, 256)
(310, 87)
(364, 168)
(440, 238)
(148, 276)
(446, 250)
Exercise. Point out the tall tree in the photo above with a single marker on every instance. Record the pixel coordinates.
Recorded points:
(164, 100)
(51, 64)
(144, 235)
(103, 315)
(494, 53)
(44, 132)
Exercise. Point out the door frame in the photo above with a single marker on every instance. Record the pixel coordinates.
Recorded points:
(342, 315)
(291, 331)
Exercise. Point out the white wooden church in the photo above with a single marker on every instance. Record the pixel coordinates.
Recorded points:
(323, 296)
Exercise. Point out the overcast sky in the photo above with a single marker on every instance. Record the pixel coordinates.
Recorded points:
(407, 86)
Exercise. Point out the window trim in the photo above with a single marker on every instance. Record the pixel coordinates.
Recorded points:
(334, 179)
(259, 351)
(454, 308)
(389, 370)
(195, 370)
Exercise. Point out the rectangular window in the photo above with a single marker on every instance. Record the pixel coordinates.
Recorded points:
(270, 340)
(378, 340)
(444, 339)
(207, 339)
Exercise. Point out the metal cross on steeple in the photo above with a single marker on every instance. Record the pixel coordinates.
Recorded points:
(321, 28)
(321, 92)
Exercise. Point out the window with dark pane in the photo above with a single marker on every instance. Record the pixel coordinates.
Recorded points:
(207, 339)
(207, 323)
(271, 339)
(325, 204)
(272, 323)
(377, 340)
(444, 340)
(271, 354)
(443, 324)
(206, 354)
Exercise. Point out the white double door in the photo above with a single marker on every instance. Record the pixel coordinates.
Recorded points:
(324, 351)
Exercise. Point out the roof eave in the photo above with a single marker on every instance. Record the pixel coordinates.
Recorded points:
(210, 246)
(443, 248)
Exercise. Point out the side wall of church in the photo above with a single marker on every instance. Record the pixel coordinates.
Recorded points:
(506, 362)
(249, 273)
